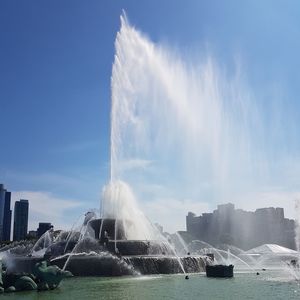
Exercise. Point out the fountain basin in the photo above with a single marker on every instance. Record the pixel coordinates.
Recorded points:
(106, 264)
(110, 265)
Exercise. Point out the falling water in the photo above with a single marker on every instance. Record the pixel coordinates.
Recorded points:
(180, 129)
(119, 202)
(166, 110)
(188, 130)
(42, 244)
(182, 243)
(85, 236)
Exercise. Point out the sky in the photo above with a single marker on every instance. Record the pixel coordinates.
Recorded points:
(56, 62)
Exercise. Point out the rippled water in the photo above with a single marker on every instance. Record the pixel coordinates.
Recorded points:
(268, 285)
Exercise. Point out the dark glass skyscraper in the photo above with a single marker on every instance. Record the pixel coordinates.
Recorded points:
(2, 202)
(7, 217)
(5, 214)
(20, 219)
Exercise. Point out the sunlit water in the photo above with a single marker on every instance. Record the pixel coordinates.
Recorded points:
(268, 285)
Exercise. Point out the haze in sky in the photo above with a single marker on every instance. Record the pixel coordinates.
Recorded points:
(55, 90)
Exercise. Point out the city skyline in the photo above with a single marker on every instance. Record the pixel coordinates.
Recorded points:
(55, 100)
(37, 231)
(14, 225)
(16, 228)
(243, 229)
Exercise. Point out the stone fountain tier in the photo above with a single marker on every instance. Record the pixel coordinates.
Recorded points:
(119, 247)
(108, 226)
(138, 247)
(114, 239)
(109, 265)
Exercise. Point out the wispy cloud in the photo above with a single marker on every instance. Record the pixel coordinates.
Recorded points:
(46, 207)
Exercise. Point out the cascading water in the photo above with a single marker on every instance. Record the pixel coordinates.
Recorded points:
(119, 203)
(168, 122)
(178, 131)
(84, 235)
(118, 200)
(45, 241)
(180, 244)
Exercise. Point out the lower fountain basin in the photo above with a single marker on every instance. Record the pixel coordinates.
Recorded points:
(106, 264)
(110, 265)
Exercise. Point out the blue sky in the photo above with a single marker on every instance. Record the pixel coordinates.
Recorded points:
(55, 69)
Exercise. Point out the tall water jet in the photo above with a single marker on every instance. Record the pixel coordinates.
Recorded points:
(180, 131)
(162, 116)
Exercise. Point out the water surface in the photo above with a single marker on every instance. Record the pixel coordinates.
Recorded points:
(245, 285)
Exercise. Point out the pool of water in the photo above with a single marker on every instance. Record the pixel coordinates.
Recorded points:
(245, 285)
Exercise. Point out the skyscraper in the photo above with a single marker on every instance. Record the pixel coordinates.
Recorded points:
(20, 219)
(7, 217)
(2, 203)
(5, 214)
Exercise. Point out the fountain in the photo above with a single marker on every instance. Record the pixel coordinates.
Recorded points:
(124, 243)
(121, 240)
(153, 114)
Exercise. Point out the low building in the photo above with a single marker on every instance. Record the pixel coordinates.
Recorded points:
(43, 227)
